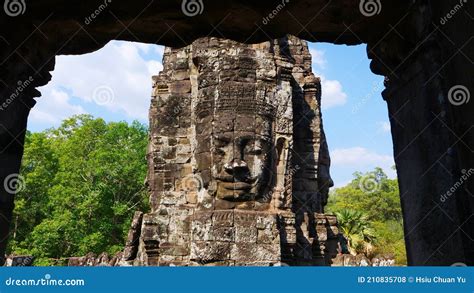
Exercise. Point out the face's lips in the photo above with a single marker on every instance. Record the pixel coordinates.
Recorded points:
(232, 194)
(232, 179)
(237, 186)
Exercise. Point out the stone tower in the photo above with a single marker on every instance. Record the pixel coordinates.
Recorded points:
(238, 160)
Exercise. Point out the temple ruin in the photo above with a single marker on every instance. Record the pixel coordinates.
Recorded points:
(238, 161)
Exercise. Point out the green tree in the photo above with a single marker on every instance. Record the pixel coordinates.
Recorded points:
(31, 204)
(373, 193)
(357, 229)
(84, 180)
(375, 199)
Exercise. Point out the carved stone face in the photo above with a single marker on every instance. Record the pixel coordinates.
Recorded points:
(242, 154)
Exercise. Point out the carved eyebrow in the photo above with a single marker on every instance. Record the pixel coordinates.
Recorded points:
(246, 138)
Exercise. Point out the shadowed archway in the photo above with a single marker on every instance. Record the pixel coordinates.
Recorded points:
(414, 44)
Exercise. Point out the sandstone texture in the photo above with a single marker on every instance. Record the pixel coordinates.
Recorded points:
(238, 161)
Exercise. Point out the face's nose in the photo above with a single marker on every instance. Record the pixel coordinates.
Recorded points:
(238, 168)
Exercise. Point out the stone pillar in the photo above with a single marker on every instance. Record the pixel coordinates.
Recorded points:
(22, 70)
(432, 143)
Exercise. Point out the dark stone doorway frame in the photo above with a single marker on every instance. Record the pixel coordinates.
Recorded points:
(422, 53)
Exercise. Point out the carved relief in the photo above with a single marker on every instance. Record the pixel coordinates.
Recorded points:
(235, 173)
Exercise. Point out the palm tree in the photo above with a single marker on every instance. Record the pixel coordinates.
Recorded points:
(357, 229)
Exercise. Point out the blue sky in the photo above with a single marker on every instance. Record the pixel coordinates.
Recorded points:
(115, 83)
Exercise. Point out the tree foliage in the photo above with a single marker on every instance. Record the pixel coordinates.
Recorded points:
(82, 183)
(357, 229)
(370, 214)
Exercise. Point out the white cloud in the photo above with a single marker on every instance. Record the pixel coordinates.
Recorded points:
(333, 94)
(358, 156)
(362, 159)
(144, 48)
(53, 109)
(317, 57)
(384, 126)
(119, 66)
(154, 67)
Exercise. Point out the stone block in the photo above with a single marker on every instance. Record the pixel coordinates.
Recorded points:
(246, 234)
(255, 252)
(223, 218)
(210, 251)
(268, 236)
(223, 233)
(266, 222)
(174, 250)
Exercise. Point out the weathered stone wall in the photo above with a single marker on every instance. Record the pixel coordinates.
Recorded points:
(266, 94)
(229, 238)
(236, 238)
(360, 260)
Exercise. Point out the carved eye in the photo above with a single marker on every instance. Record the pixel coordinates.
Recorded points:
(218, 151)
(261, 147)
(254, 148)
